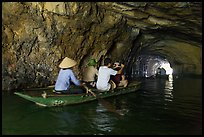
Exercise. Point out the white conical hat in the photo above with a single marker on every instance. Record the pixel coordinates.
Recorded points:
(67, 63)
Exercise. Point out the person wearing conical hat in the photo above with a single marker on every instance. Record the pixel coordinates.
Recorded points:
(66, 76)
(90, 73)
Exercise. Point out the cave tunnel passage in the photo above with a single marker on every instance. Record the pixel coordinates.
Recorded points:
(149, 65)
(174, 54)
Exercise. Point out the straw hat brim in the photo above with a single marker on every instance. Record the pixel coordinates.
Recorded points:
(67, 63)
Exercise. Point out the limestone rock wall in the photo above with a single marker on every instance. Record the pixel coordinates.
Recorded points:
(38, 35)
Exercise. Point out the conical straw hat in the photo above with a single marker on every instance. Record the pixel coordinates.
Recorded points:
(67, 63)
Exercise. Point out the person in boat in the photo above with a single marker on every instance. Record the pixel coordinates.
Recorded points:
(103, 82)
(66, 76)
(119, 79)
(90, 73)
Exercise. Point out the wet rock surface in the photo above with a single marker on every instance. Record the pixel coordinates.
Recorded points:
(36, 36)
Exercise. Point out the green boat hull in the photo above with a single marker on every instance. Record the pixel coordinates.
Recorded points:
(53, 100)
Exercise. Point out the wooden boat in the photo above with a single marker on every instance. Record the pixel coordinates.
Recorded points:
(50, 99)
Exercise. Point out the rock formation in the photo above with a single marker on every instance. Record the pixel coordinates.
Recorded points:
(36, 36)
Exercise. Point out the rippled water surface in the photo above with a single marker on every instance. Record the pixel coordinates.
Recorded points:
(161, 107)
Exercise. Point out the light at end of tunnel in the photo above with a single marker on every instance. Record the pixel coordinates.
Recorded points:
(166, 66)
(170, 77)
(169, 71)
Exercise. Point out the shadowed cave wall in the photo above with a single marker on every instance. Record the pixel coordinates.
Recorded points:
(36, 36)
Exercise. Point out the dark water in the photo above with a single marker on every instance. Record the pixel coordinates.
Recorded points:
(159, 108)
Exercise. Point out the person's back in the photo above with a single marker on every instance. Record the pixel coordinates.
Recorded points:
(90, 73)
(64, 78)
(104, 74)
(119, 79)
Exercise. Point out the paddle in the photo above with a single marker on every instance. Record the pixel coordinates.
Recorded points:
(105, 103)
(32, 89)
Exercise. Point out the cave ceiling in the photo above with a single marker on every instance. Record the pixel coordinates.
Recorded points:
(171, 30)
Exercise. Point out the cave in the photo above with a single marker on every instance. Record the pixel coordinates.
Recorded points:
(149, 66)
(36, 36)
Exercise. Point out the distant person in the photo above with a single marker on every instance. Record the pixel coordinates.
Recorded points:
(66, 76)
(90, 73)
(119, 79)
(103, 82)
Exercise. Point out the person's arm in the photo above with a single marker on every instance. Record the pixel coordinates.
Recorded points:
(74, 79)
(96, 72)
(78, 83)
(121, 69)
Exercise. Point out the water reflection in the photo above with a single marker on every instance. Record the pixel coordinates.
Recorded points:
(121, 106)
(169, 89)
(102, 121)
(146, 113)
